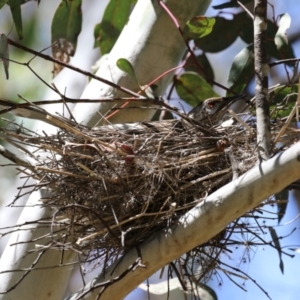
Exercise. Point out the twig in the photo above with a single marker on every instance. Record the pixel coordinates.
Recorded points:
(88, 74)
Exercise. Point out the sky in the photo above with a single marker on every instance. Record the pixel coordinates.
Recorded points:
(264, 265)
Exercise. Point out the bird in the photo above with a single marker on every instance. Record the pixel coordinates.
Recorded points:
(212, 110)
(207, 114)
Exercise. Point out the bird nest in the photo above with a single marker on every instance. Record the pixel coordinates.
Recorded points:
(112, 187)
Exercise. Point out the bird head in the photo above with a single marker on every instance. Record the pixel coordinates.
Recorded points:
(212, 109)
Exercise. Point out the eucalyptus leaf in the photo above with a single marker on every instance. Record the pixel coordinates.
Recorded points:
(4, 53)
(67, 21)
(284, 24)
(2, 3)
(245, 23)
(283, 98)
(124, 65)
(198, 27)
(203, 62)
(223, 34)
(15, 8)
(242, 70)
(193, 88)
(65, 28)
(276, 242)
(115, 17)
(282, 200)
(280, 48)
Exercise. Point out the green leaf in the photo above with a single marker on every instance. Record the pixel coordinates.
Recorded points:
(223, 34)
(25, 1)
(150, 91)
(284, 50)
(281, 40)
(15, 8)
(285, 97)
(282, 91)
(198, 27)
(114, 19)
(192, 88)
(242, 70)
(276, 242)
(245, 23)
(66, 23)
(232, 3)
(282, 198)
(2, 3)
(124, 65)
(203, 62)
(284, 24)
(66, 26)
(4, 53)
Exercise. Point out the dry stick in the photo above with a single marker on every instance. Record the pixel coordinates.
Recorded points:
(261, 77)
(246, 126)
(245, 9)
(283, 61)
(10, 105)
(17, 159)
(287, 123)
(294, 111)
(187, 185)
(298, 102)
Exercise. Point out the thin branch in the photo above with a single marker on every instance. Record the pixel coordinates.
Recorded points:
(261, 78)
(78, 70)
(283, 61)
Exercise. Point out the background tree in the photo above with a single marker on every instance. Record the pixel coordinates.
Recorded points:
(87, 113)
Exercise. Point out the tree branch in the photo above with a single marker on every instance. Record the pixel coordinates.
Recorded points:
(261, 78)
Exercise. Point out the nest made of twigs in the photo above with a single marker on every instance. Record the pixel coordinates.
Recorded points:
(113, 186)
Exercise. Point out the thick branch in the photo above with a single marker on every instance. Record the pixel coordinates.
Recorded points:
(199, 225)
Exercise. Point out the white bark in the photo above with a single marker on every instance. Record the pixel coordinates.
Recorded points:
(37, 284)
(153, 45)
(200, 224)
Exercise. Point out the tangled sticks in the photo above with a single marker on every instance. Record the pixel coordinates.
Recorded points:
(114, 186)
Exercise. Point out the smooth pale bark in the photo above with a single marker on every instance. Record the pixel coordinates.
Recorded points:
(153, 45)
(200, 224)
(16, 257)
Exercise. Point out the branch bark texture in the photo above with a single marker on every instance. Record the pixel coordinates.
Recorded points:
(261, 77)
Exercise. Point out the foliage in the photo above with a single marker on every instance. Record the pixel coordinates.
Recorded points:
(194, 81)
(114, 19)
